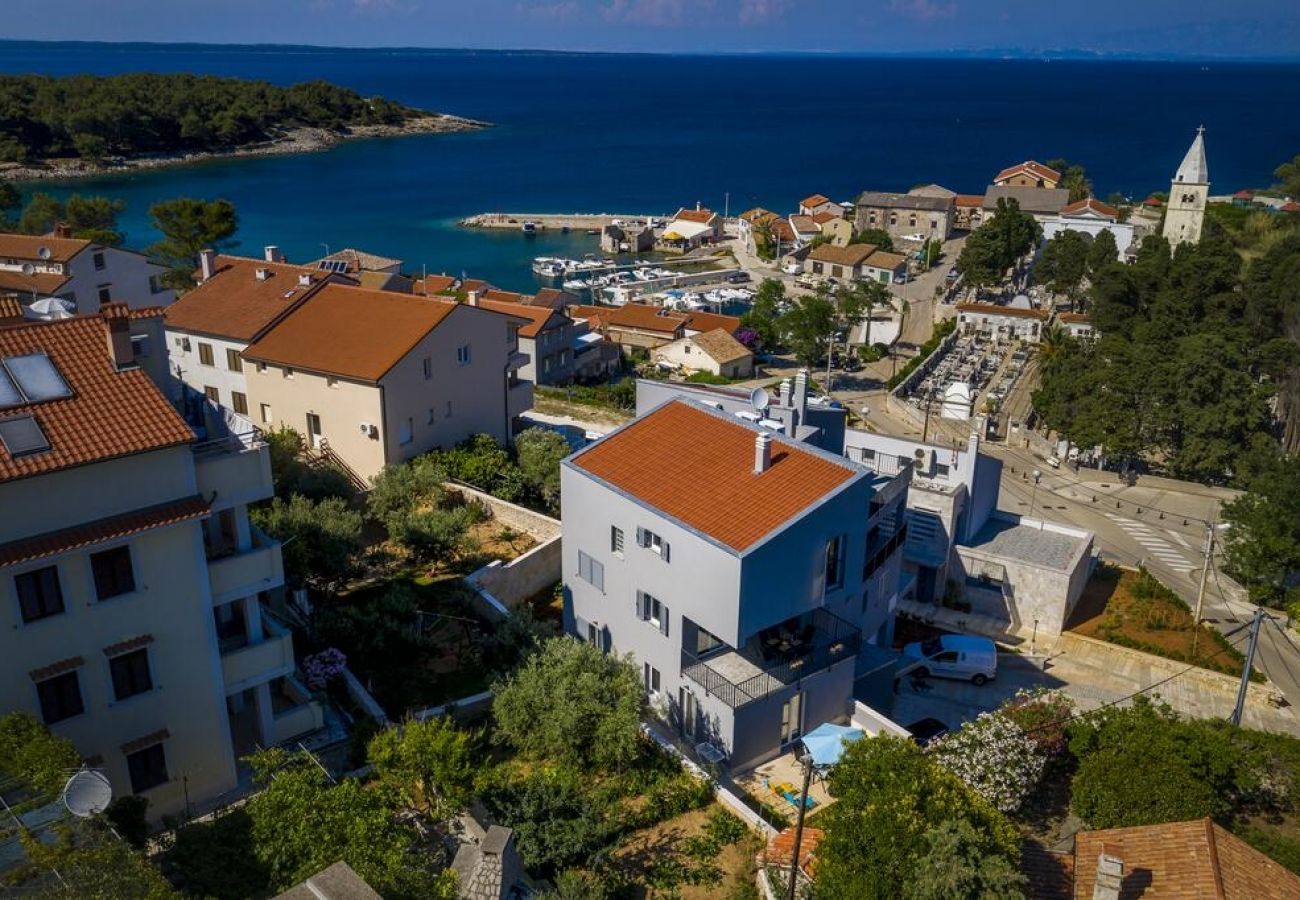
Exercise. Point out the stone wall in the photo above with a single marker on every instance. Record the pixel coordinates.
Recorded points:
(512, 583)
(540, 526)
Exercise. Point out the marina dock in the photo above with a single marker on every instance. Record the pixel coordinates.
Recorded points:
(551, 221)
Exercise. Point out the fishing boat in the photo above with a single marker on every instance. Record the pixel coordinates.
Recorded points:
(549, 266)
(530, 229)
(576, 284)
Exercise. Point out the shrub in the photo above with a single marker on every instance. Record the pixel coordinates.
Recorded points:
(127, 816)
(319, 669)
(1043, 716)
(673, 796)
(995, 758)
(556, 824)
(216, 859)
(320, 538)
(34, 755)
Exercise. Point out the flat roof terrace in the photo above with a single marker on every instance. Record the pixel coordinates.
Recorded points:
(1030, 541)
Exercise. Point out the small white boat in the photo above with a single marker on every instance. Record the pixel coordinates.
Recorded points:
(529, 228)
(576, 284)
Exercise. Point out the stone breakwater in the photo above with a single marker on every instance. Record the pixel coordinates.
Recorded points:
(290, 140)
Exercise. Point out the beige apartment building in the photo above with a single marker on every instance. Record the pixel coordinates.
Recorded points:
(82, 272)
(130, 577)
(371, 378)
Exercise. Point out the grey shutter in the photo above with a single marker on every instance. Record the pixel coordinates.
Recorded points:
(663, 620)
(641, 539)
(640, 605)
(598, 575)
(665, 544)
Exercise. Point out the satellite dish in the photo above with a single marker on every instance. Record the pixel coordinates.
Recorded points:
(43, 252)
(759, 399)
(28, 269)
(87, 793)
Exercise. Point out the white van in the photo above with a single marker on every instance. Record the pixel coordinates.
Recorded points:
(960, 656)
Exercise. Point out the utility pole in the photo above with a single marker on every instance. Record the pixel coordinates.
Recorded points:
(925, 429)
(1200, 591)
(1235, 718)
(798, 827)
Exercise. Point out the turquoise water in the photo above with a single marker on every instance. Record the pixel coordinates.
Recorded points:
(628, 134)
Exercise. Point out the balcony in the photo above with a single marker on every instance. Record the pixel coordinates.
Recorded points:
(293, 712)
(774, 659)
(519, 397)
(879, 554)
(236, 467)
(242, 573)
(249, 663)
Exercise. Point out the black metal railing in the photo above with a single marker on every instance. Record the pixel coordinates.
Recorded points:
(877, 557)
(834, 640)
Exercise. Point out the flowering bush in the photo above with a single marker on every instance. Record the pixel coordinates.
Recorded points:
(321, 668)
(1042, 715)
(750, 338)
(995, 758)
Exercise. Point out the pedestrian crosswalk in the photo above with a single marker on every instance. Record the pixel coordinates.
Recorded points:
(1154, 546)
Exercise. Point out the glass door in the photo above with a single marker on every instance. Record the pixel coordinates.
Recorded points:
(792, 719)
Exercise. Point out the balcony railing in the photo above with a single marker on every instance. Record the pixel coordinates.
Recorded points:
(880, 555)
(833, 640)
(245, 572)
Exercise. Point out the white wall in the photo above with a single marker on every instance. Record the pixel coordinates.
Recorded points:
(125, 273)
(185, 366)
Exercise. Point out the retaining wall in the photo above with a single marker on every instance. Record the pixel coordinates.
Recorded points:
(511, 583)
(541, 527)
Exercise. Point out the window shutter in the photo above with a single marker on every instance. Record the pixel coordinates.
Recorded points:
(665, 551)
(663, 620)
(640, 605)
(641, 539)
(598, 575)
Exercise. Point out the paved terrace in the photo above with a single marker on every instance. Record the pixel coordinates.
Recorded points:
(1027, 544)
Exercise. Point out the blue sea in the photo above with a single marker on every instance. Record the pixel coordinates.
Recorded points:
(647, 133)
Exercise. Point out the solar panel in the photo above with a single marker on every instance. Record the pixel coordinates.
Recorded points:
(37, 377)
(9, 393)
(22, 435)
(338, 266)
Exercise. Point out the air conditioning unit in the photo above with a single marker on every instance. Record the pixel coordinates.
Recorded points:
(369, 430)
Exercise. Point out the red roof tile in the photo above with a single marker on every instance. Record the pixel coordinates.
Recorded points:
(29, 246)
(1030, 167)
(701, 216)
(814, 200)
(1090, 204)
(435, 284)
(720, 495)
(970, 200)
(58, 668)
(993, 309)
(707, 321)
(108, 529)
(537, 316)
(234, 303)
(780, 849)
(109, 413)
(1073, 317)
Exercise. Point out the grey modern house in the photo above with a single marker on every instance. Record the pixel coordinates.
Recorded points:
(746, 570)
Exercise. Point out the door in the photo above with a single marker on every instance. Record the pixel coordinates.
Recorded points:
(925, 584)
(313, 430)
(946, 663)
(690, 714)
(792, 719)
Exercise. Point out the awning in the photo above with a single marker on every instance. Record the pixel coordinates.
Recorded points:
(825, 743)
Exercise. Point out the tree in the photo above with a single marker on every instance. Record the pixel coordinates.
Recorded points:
(437, 536)
(889, 795)
(995, 758)
(188, 226)
(1102, 252)
(1288, 177)
(878, 236)
(1063, 263)
(429, 763)
(40, 215)
(31, 753)
(572, 704)
(93, 864)
(954, 866)
(401, 488)
(539, 452)
(556, 823)
(320, 538)
(10, 203)
(292, 474)
(302, 823)
(1073, 178)
(995, 246)
(809, 326)
(765, 313)
(1143, 765)
(89, 218)
(1263, 544)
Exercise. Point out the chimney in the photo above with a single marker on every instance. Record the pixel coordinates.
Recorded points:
(1110, 873)
(271, 253)
(697, 206)
(117, 331)
(208, 263)
(472, 298)
(62, 230)
(800, 398)
(785, 392)
(263, 273)
(762, 453)
(304, 279)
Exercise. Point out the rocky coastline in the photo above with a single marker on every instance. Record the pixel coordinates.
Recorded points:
(289, 140)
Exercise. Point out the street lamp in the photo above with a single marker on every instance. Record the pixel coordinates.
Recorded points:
(1034, 494)
(798, 828)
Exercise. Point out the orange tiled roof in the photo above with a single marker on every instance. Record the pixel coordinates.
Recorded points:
(883, 259)
(235, 304)
(435, 284)
(722, 497)
(10, 308)
(28, 246)
(970, 200)
(758, 214)
(537, 316)
(1036, 169)
(501, 296)
(993, 309)
(358, 260)
(702, 216)
(707, 321)
(780, 849)
(720, 346)
(852, 255)
(647, 318)
(1073, 317)
(1183, 861)
(822, 218)
(350, 331)
(814, 200)
(803, 224)
(1090, 204)
(474, 284)
(554, 298)
(42, 284)
(599, 314)
(109, 414)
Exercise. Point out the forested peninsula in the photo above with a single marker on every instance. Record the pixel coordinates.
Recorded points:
(88, 124)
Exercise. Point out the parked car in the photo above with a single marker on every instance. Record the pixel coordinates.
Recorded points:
(1054, 461)
(924, 731)
(960, 656)
(738, 277)
(792, 268)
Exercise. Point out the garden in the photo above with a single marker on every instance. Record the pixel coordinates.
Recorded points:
(1135, 610)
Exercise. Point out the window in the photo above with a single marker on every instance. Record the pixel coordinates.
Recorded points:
(148, 768)
(428, 368)
(705, 641)
(940, 470)
(212, 394)
(39, 593)
(156, 285)
(651, 678)
(99, 262)
(407, 432)
(288, 373)
(60, 697)
(462, 355)
(239, 403)
(130, 673)
(591, 571)
(564, 357)
(651, 609)
(430, 415)
(205, 354)
(448, 409)
(266, 413)
(616, 540)
(835, 563)
(261, 368)
(140, 345)
(113, 574)
(546, 364)
(105, 293)
(653, 542)
(233, 362)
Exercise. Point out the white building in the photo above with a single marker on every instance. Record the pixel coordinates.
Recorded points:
(715, 352)
(1001, 322)
(1188, 194)
(85, 273)
(1077, 325)
(1091, 217)
(130, 576)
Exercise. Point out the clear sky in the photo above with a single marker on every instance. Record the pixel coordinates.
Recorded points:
(1157, 28)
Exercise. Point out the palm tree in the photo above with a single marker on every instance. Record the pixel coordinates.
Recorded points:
(1053, 343)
